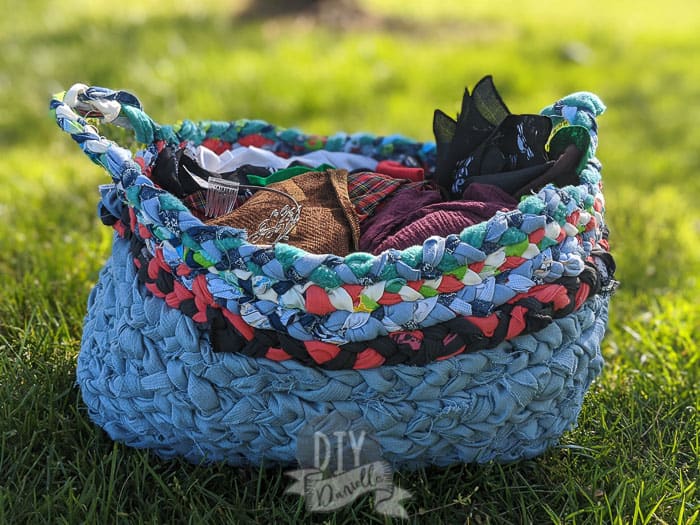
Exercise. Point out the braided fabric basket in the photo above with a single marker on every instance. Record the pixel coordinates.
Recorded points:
(477, 346)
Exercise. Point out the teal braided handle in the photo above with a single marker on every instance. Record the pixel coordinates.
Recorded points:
(117, 107)
(73, 107)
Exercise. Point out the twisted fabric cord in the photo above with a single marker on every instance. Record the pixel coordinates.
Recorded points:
(317, 324)
(228, 331)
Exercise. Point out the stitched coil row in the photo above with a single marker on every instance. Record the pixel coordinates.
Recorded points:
(350, 313)
(229, 331)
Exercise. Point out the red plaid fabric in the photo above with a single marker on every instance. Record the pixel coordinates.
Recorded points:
(197, 203)
(367, 190)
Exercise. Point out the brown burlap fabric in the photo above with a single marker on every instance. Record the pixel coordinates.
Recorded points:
(328, 222)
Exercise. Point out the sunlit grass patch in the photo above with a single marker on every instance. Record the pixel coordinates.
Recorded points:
(635, 456)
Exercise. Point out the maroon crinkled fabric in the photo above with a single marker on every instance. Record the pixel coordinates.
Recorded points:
(391, 215)
(414, 218)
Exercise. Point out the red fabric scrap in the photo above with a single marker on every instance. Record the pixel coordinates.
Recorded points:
(320, 351)
(517, 321)
(536, 236)
(368, 358)
(218, 146)
(255, 140)
(399, 171)
(487, 324)
(449, 284)
(317, 301)
(389, 298)
(239, 324)
(277, 354)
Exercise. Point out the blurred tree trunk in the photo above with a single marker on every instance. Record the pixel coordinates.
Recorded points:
(322, 10)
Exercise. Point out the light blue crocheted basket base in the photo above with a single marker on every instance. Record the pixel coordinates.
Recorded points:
(149, 377)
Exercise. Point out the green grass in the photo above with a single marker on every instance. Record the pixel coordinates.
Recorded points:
(635, 456)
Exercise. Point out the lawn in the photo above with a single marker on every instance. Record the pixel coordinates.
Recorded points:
(635, 456)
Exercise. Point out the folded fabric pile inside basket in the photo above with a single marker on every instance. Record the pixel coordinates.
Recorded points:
(448, 298)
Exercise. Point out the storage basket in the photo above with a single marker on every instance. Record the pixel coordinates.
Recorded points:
(476, 346)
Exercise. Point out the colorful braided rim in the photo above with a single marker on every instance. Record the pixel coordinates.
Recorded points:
(525, 313)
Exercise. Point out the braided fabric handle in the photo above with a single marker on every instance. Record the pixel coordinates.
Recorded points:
(120, 108)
